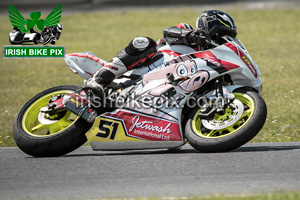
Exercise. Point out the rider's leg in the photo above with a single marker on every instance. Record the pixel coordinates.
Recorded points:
(138, 51)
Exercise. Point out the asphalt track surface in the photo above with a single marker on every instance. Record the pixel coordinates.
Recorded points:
(86, 174)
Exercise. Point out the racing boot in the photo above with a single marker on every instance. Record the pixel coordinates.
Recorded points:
(105, 76)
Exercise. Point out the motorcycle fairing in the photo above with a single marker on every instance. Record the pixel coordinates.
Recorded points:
(230, 58)
(234, 51)
(125, 129)
(244, 58)
(189, 71)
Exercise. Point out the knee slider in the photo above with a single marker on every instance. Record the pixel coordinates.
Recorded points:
(141, 43)
(137, 51)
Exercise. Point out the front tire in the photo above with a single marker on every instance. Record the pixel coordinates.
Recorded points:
(223, 132)
(54, 137)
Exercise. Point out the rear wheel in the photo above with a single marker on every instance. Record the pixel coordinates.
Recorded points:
(240, 122)
(39, 135)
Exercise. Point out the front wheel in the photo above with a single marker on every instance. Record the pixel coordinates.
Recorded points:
(43, 136)
(240, 122)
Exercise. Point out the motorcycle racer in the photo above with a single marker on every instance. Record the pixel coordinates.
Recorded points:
(211, 25)
(50, 33)
(210, 99)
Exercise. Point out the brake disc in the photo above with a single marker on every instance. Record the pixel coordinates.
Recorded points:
(232, 114)
(44, 119)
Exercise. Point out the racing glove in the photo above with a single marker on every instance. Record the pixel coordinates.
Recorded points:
(198, 36)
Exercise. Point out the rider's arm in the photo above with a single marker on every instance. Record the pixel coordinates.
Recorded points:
(177, 36)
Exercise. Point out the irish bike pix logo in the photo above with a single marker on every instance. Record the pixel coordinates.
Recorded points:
(34, 37)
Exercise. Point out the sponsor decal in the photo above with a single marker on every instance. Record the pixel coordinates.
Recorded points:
(111, 67)
(148, 127)
(151, 128)
(249, 64)
(216, 63)
(76, 102)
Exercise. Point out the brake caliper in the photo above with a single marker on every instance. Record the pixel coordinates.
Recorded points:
(77, 102)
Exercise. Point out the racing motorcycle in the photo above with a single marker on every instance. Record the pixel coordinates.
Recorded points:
(209, 99)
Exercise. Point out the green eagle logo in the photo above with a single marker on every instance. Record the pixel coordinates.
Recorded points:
(35, 23)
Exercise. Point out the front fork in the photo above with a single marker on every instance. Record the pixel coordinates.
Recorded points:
(216, 101)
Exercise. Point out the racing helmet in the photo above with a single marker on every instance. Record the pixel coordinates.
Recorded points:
(59, 27)
(216, 24)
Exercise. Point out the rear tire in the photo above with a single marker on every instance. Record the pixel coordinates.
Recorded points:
(235, 135)
(63, 135)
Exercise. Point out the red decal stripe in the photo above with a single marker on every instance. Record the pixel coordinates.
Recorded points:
(233, 48)
(159, 41)
(169, 52)
(141, 61)
(94, 58)
(241, 55)
(205, 54)
(228, 65)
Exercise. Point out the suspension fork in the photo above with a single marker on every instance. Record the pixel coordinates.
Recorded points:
(219, 87)
(220, 101)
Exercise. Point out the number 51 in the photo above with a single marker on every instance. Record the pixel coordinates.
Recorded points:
(105, 131)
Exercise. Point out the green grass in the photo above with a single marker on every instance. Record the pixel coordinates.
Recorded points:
(267, 196)
(272, 37)
(263, 196)
(270, 196)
